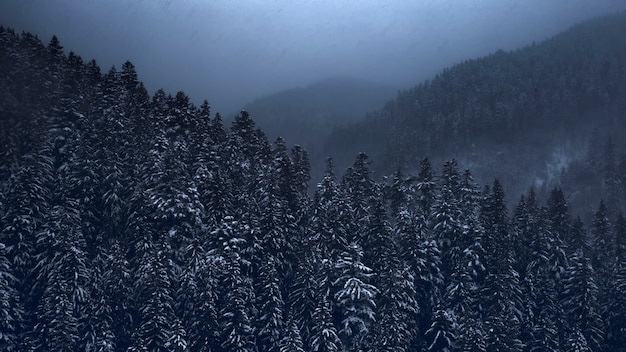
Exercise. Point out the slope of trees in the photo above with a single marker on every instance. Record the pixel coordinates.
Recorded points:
(138, 223)
(537, 115)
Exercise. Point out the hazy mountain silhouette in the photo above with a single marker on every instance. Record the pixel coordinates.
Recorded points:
(304, 115)
(307, 115)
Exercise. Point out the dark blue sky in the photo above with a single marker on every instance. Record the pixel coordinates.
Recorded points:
(232, 51)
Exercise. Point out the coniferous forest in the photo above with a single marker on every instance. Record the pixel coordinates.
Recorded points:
(138, 222)
(550, 113)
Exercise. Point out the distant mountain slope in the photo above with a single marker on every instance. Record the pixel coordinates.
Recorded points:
(522, 116)
(307, 115)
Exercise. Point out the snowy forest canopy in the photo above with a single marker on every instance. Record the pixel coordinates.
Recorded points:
(131, 222)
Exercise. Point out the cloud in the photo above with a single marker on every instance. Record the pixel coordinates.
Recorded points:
(231, 52)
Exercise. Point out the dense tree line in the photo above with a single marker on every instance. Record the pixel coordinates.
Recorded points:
(131, 222)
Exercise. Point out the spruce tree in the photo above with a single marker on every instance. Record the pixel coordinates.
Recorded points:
(11, 308)
(292, 342)
(271, 317)
(580, 303)
(62, 280)
(355, 298)
(158, 328)
(324, 334)
(501, 295)
(426, 187)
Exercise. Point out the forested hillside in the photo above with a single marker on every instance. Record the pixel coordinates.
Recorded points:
(308, 115)
(542, 115)
(305, 113)
(131, 222)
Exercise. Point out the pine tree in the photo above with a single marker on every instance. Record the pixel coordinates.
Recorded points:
(215, 187)
(324, 335)
(62, 280)
(197, 297)
(615, 317)
(501, 293)
(525, 227)
(166, 201)
(271, 320)
(302, 299)
(11, 309)
(300, 180)
(158, 328)
(360, 191)
(602, 237)
(603, 257)
(423, 257)
(247, 149)
(426, 187)
(237, 330)
(395, 329)
(119, 288)
(440, 336)
(278, 200)
(236, 311)
(468, 273)
(96, 325)
(542, 285)
(615, 323)
(579, 240)
(377, 240)
(331, 216)
(559, 218)
(25, 207)
(580, 302)
(446, 228)
(355, 298)
(397, 193)
(292, 342)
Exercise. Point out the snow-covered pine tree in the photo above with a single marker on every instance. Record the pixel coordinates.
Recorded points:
(62, 280)
(501, 295)
(440, 336)
(445, 220)
(25, 207)
(615, 319)
(542, 284)
(422, 256)
(237, 308)
(580, 303)
(292, 342)
(331, 216)
(360, 191)
(11, 308)
(271, 316)
(397, 308)
(324, 335)
(197, 296)
(426, 187)
(355, 298)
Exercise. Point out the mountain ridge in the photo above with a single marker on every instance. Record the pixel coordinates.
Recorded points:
(508, 108)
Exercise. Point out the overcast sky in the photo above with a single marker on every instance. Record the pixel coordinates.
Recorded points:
(233, 51)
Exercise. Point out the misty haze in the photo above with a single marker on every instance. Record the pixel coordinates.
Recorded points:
(433, 175)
